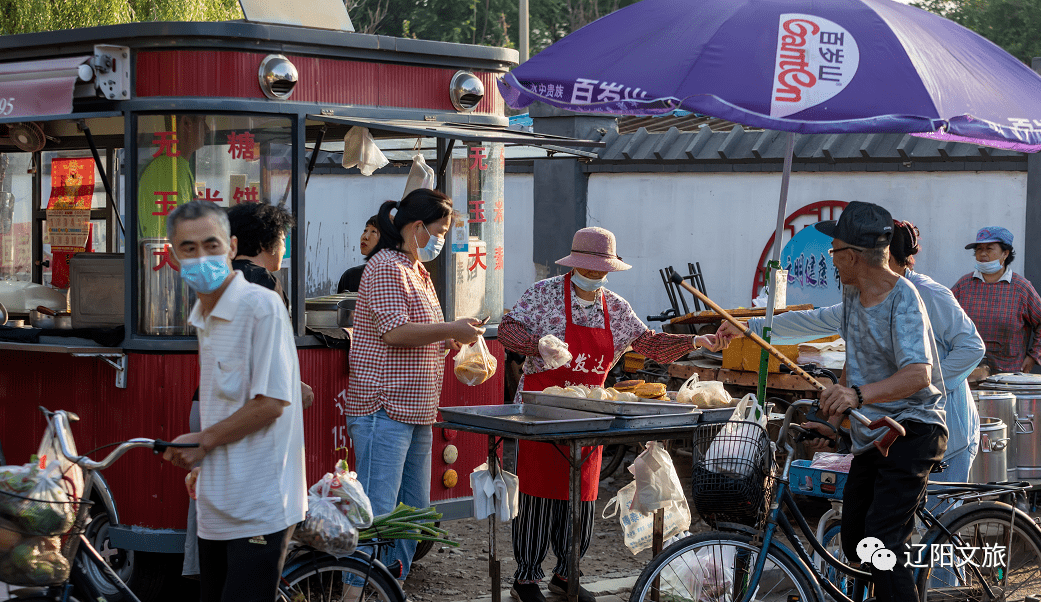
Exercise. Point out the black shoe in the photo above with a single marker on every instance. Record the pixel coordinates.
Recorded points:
(559, 586)
(527, 592)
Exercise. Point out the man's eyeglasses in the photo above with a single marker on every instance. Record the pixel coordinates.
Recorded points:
(832, 251)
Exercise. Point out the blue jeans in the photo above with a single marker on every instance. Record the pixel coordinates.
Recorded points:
(392, 460)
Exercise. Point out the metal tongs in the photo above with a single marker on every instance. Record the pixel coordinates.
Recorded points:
(895, 429)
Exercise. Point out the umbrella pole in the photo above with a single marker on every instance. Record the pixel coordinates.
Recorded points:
(775, 264)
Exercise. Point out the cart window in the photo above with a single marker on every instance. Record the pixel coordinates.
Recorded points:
(225, 159)
(478, 235)
(16, 216)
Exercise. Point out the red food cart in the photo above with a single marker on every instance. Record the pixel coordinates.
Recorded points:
(94, 151)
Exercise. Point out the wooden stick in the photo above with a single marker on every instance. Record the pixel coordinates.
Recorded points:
(895, 428)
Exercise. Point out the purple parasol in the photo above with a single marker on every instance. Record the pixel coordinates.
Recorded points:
(801, 66)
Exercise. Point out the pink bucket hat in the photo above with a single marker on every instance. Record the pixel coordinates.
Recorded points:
(594, 249)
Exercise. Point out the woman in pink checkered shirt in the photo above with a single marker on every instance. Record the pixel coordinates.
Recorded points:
(397, 358)
(1004, 306)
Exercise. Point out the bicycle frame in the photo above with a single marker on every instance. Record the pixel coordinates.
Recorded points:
(783, 498)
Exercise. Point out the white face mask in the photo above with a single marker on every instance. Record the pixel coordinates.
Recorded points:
(587, 284)
(989, 267)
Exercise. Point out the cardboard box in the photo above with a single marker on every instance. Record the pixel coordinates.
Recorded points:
(743, 354)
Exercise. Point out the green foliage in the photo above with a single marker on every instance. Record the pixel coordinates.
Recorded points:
(25, 16)
(1015, 25)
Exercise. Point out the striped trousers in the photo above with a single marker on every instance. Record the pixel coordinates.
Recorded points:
(541, 523)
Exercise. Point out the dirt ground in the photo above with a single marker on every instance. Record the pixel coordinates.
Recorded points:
(462, 573)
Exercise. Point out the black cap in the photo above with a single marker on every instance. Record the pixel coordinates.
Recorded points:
(863, 225)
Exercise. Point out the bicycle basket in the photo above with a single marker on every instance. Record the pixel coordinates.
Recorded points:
(31, 560)
(731, 477)
(31, 516)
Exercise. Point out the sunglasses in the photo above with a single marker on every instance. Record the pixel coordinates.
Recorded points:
(833, 251)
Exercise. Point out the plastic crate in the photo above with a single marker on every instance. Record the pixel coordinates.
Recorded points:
(816, 482)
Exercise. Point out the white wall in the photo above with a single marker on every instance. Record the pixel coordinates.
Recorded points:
(337, 208)
(519, 270)
(725, 220)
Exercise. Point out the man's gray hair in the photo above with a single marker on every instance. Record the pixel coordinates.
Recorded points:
(197, 210)
(876, 257)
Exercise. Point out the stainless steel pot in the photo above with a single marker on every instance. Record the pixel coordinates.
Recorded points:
(345, 312)
(58, 321)
(1026, 458)
(324, 312)
(990, 463)
(1001, 405)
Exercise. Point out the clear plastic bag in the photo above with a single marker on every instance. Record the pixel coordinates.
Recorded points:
(344, 485)
(657, 484)
(709, 394)
(554, 352)
(708, 574)
(34, 500)
(687, 390)
(326, 528)
(474, 363)
(33, 561)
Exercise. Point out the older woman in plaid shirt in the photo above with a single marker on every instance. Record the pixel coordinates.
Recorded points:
(398, 357)
(1004, 306)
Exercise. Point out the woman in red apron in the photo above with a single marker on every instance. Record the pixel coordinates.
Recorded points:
(597, 326)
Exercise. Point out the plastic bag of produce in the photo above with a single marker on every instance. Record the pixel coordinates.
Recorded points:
(474, 363)
(351, 499)
(34, 561)
(326, 528)
(42, 509)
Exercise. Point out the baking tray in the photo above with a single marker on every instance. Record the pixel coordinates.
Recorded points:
(716, 414)
(615, 408)
(527, 419)
(656, 420)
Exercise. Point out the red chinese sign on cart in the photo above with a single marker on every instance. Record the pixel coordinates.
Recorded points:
(68, 213)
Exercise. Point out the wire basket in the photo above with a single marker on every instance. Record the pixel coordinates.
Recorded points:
(36, 517)
(731, 477)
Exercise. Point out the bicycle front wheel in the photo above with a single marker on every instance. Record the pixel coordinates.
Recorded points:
(327, 579)
(988, 548)
(716, 567)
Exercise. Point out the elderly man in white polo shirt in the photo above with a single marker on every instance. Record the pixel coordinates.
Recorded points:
(251, 487)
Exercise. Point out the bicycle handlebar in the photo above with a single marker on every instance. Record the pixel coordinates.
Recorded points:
(61, 423)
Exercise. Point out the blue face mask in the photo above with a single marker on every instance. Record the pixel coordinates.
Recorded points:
(587, 284)
(432, 249)
(205, 274)
(988, 267)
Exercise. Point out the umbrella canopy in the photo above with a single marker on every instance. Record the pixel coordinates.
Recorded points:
(802, 66)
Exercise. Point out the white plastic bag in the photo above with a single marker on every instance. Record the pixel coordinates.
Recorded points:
(50, 450)
(325, 527)
(360, 150)
(498, 496)
(735, 450)
(687, 389)
(420, 176)
(554, 352)
(657, 484)
(33, 499)
(709, 394)
(707, 574)
(637, 527)
(474, 363)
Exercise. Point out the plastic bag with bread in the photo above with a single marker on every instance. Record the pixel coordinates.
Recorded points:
(474, 363)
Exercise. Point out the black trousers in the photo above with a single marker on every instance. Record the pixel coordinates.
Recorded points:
(880, 499)
(541, 523)
(242, 570)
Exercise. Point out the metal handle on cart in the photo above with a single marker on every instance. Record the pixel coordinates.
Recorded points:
(1028, 422)
(895, 430)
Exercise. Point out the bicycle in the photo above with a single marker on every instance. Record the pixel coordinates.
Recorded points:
(307, 574)
(312, 576)
(738, 563)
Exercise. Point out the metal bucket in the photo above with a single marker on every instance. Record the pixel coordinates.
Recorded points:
(1026, 458)
(989, 465)
(1001, 405)
(165, 300)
